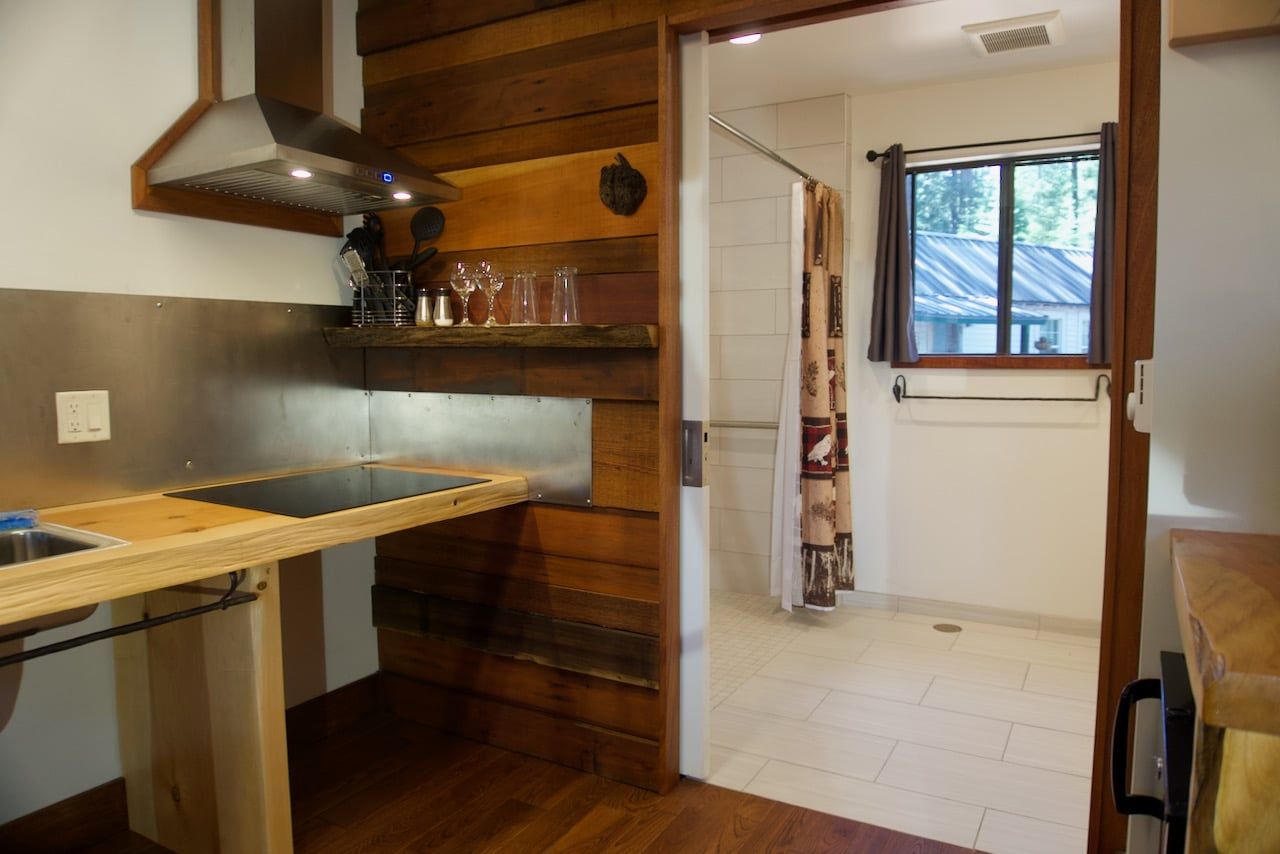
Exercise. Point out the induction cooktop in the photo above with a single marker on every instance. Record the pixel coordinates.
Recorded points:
(303, 495)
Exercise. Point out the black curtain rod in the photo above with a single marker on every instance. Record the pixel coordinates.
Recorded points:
(873, 155)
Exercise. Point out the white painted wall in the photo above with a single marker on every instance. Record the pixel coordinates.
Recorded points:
(1215, 439)
(85, 88)
(992, 504)
(750, 313)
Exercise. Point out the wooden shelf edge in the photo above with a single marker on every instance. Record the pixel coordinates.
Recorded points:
(636, 336)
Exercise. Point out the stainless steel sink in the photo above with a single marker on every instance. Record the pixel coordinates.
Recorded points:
(45, 540)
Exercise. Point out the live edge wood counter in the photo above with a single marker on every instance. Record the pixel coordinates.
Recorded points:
(200, 702)
(1227, 594)
(176, 541)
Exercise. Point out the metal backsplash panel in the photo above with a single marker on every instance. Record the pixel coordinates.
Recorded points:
(546, 439)
(237, 388)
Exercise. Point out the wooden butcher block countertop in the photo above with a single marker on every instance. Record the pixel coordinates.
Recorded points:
(1227, 591)
(176, 541)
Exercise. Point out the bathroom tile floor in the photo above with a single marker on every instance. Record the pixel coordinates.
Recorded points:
(981, 738)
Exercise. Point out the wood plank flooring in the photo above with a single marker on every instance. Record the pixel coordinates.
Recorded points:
(394, 786)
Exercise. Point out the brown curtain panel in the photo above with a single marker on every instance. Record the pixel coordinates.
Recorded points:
(826, 516)
(893, 331)
(1104, 250)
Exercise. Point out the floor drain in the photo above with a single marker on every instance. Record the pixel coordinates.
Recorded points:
(949, 628)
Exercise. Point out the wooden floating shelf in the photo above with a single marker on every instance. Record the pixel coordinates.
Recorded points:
(593, 336)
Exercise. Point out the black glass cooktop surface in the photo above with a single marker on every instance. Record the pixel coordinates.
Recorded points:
(303, 495)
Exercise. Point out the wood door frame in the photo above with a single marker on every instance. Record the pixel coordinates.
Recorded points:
(1133, 306)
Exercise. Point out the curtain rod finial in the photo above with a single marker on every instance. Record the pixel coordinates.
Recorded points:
(873, 155)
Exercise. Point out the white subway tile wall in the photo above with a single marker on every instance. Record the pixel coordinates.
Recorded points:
(750, 313)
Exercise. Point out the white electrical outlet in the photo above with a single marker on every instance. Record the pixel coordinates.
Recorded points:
(83, 416)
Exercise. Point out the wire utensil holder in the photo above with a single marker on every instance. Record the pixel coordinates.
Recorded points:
(382, 298)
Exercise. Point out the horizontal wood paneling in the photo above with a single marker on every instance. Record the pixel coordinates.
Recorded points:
(613, 705)
(611, 128)
(395, 22)
(599, 535)
(536, 630)
(610, 754)
(624, 455)
(406, 92)
(426, 545)
(616, 374)
(577, 20)
(556, 200)
(587, 86)
(591, 257)
(568, 645)
(618, 298)
(518, 594)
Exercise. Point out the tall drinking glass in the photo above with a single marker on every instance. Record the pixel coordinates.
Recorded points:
(524, 298)
(564, 296)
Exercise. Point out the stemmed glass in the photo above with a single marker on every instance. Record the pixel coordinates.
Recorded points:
(463, 282)
(492, 282)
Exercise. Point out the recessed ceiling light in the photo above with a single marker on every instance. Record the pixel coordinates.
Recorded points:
(750, 38)
(300, 173)
(402, 196)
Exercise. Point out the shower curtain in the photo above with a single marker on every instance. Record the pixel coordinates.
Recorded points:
(811, 555)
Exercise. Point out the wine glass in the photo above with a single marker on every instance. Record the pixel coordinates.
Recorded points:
(492, 283)
(463, 282)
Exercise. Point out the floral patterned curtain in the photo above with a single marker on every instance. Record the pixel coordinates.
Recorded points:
(826, 516)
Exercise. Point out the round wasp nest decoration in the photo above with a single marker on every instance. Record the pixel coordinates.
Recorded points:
(622, 187)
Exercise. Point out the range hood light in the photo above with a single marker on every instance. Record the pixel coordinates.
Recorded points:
(300, 173)
(402, 196)
(749, 38)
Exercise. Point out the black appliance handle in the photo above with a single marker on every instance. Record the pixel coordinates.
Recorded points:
(1126, 803)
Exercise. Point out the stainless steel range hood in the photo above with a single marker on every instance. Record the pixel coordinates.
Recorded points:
(273, 143)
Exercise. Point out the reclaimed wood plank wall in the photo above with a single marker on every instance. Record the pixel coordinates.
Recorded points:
(535, 628)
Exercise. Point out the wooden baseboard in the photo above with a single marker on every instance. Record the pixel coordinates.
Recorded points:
(100, 813)
(340, 709)
(73, 824)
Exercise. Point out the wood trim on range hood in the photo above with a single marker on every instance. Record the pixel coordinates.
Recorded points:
(259, 119)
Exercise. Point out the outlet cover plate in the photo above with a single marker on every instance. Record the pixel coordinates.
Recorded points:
(83, 416)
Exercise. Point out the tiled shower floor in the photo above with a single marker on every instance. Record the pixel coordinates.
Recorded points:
(979, 738)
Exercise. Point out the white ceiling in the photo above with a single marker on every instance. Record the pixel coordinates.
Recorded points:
(914, 46)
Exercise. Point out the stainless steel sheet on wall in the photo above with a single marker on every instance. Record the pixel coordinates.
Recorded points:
(546, 439)
(201, 391)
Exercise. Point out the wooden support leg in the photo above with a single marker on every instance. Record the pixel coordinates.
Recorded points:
(201, 716)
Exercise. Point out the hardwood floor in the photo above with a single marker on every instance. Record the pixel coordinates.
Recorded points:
(394, 786)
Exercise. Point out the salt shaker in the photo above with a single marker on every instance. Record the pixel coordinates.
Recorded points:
(444, 309)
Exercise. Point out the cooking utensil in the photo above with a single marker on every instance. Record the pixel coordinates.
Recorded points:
(418, 260)
(373, 224)
(426, 225)
(355, 266)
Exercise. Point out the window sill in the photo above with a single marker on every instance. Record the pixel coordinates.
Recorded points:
(1044, 363)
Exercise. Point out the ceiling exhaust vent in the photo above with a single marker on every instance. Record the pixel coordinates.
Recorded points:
(1029, 31)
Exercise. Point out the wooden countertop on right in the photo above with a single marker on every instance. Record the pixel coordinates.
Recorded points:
(1227, 592)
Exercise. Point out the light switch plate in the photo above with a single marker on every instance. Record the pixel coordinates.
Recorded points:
(83, 416)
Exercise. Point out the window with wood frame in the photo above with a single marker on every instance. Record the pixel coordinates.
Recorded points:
(1002, 258)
